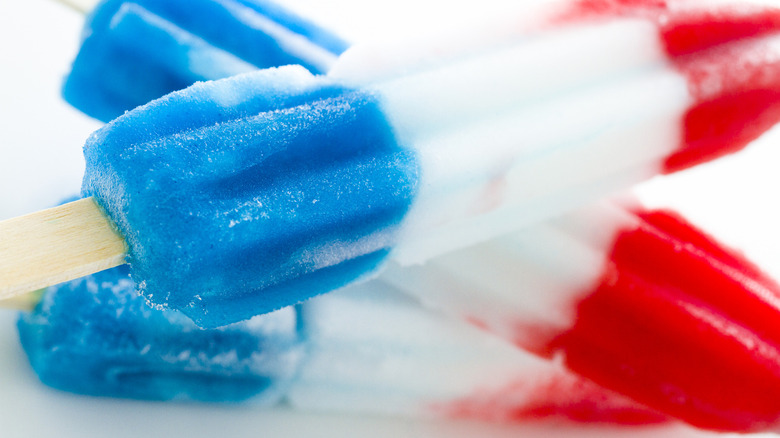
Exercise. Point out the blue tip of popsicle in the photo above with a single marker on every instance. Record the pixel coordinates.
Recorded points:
(134, 52)
(97, 336)
(263, 190)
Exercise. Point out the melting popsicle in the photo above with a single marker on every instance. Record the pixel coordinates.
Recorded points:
(368, 349)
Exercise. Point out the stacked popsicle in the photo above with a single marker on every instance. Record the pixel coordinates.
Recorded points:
(380, 155)
(308, 183)
(640, 302)
(365, 349)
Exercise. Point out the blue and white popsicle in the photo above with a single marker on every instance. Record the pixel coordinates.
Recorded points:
(271, 187)
(136, 51)
(368, 349)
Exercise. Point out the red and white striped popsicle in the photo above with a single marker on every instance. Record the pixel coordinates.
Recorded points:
(641, 302)
(370, 349)
(682, 82)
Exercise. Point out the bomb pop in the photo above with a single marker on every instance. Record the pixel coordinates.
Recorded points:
(367, 349)
(136, 51)
(271, 187)
(756, 95)
(640, 302)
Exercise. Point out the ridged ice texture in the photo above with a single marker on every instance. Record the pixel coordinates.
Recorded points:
(697, 341)
(642, 303)
(97, 336)
(259, 209)
(133, 52)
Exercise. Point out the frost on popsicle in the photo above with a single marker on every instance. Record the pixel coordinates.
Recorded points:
(270, 190)
(136, 51)
(96, 336)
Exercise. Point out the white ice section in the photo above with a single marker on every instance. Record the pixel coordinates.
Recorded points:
(375, 350)
(292, 43)
(597, 225)
(202, 58)
(524, 284)
(502, 79)
(526, 132)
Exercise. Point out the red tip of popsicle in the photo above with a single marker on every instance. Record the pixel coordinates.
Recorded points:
(736, 92)
(563, 396)
(686, 33)
(683, 325)
(683, 27)
(733, 75)
(724, 125)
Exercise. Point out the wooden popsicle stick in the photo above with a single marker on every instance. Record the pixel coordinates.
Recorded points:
(25, 302)
(56, 245)
(83, 6)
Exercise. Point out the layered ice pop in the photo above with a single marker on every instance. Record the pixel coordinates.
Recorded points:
(136, 51)
(367, 349)
(641, 302)
(271, 187)
(757, 90)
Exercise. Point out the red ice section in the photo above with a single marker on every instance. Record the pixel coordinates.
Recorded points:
(562, 396)
(726, 40)
(737, 98)
(682, 325)
(684, 28)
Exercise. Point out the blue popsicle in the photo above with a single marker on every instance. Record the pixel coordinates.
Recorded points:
(279, 205)
(136, 51)
(96, 335)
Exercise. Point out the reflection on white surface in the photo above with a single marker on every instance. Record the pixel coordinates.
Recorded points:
(40, 163)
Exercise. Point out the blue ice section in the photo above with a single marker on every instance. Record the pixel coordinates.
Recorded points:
(97, 336)
(263, 190)
(134, 52)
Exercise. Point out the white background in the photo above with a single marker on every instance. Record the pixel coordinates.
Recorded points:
(40, 163)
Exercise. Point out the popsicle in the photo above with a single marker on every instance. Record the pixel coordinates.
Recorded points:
(366, 349)
(290, 185)
(136, 51)
(755, 96)
(640, 302)
(201, 184)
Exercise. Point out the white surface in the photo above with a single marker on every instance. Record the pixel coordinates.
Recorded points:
(40, 162)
